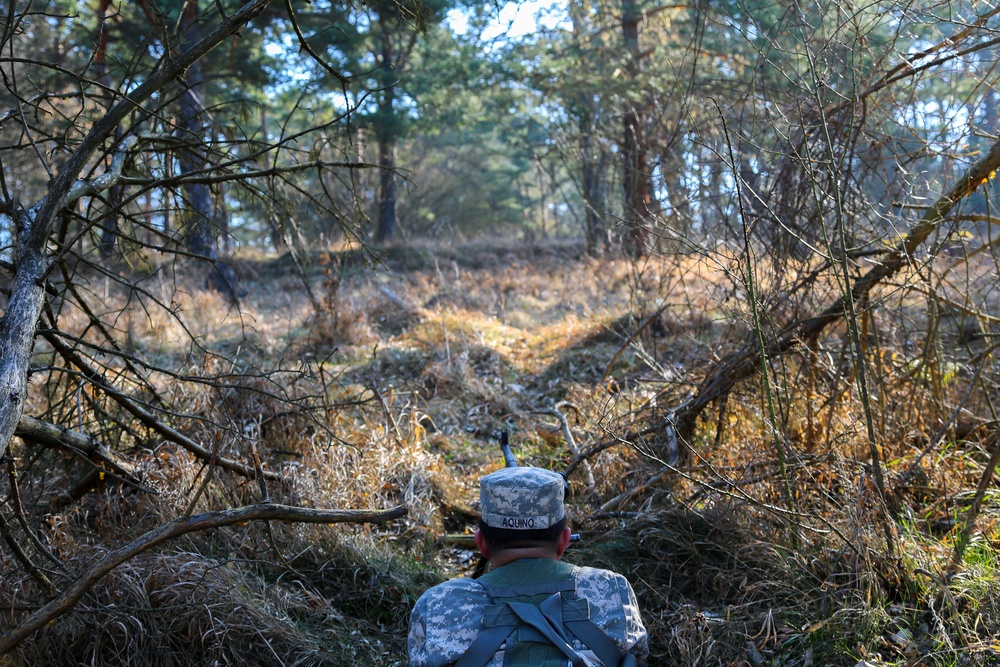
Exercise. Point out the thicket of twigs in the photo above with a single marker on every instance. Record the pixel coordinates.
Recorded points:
(758, 536)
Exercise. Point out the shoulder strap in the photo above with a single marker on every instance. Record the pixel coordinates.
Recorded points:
(584, 629)
(485, 645)
(597, 641)
(534, 617)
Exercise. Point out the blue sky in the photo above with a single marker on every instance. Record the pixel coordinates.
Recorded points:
(516, 18)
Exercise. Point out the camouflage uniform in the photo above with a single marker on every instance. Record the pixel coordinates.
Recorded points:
(449, 617)
(522, 498)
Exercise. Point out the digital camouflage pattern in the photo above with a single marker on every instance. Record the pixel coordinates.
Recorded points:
(449, 617)
(522, 498)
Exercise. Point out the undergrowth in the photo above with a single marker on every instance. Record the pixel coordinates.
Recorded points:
(393, 392)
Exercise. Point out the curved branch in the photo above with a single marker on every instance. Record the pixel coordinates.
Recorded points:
(171, 530)
(571, 442)
(308, 49)
(103, 182)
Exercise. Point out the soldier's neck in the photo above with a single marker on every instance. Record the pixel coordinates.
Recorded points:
(499, 559)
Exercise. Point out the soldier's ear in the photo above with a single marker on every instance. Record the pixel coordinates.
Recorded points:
(484, 548)
(564, 538)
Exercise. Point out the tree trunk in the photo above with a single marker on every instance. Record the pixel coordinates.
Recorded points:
(635, 170)
(201, 237)
(593, 200)
(386, 131)
(109, 223)
(17, 328)
(202, 230)
(387, 190)
(595, 230)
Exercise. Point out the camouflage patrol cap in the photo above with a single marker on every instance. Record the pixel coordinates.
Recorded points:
(522, 498)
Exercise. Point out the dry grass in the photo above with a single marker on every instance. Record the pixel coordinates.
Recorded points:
(368, 402)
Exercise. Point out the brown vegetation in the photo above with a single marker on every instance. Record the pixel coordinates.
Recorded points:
(389, 401)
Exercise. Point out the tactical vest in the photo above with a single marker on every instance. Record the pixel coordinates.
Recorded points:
(534, 608)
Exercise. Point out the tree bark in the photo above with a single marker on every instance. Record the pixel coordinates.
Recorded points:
(386, 131)
(635, 170)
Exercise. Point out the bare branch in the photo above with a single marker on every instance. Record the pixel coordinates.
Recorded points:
(308, 49)
(743, 363)
(149, 420)
(52, 435)
(108, 179)
(245, 175)
(172, 530)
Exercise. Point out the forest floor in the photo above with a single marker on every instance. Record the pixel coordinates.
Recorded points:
(417, 359)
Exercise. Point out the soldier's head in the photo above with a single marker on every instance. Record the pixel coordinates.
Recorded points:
(522, 510)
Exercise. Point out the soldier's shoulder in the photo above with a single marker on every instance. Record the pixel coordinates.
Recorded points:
(445, 621)
(454, 592)
(603, 587)
(584, 573)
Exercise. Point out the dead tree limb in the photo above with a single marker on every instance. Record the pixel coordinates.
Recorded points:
(22, 557)
(168, 531)
(53, 435)
(743, 363)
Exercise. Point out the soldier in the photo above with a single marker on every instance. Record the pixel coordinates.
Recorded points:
(531, 608)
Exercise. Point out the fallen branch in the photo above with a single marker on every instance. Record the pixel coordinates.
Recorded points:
(176, 528)
(743, 363)
(53, 435)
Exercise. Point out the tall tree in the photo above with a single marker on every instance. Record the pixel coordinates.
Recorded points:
(586, 105)
(636, 180)
(397, 27)
(372, 42)
(178, 25)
